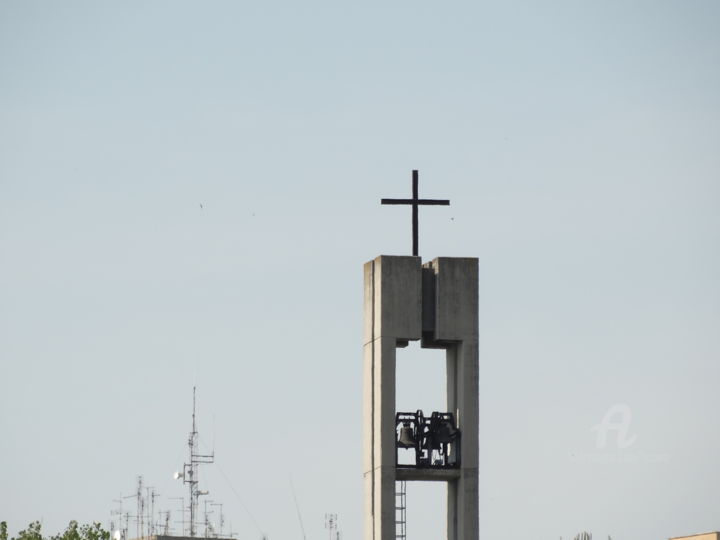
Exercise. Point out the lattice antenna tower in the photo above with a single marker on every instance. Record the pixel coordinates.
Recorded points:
(140, 513)
(331, 526)
(150, 509)
(164, 522)
(141, 507)
(127, 526)
(190, 471)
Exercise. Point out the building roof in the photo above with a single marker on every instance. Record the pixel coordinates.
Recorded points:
(701, 536)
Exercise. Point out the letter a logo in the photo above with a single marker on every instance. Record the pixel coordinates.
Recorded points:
(617, 418)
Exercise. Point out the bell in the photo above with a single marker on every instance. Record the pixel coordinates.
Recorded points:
(406, 438)
(445, 433)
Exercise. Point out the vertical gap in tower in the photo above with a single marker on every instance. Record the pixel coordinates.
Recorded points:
(400, 509)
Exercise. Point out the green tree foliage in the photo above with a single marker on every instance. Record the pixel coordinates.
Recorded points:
(31, 533)
(73, 532)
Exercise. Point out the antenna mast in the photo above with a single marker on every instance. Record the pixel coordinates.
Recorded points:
(190, 471)
(331, 526)
(182, 513)
(139, 525)
(166, 528)
(119, 514)
(221, 519)
(151, 495)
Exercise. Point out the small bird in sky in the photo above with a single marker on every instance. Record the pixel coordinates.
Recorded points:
(201, 206)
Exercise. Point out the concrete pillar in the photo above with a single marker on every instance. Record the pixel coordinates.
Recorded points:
(456, 326)
(437, 302)
(392, 318)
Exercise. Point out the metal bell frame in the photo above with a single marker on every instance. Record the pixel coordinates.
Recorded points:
(436, 440)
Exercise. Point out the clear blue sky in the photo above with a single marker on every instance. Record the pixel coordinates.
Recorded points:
(578, 143)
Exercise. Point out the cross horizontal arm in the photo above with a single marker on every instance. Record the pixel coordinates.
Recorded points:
(435, 202)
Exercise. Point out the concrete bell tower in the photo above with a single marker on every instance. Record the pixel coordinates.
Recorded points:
(437, 303)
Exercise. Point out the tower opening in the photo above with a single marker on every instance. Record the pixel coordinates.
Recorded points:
(421, 379)
(420, 385)
(426, 509)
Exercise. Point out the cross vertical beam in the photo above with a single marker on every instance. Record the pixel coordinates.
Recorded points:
(415, 211)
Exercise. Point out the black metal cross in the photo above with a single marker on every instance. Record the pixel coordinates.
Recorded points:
(415, 202)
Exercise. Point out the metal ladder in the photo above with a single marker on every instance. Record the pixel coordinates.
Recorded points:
(400, 510)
